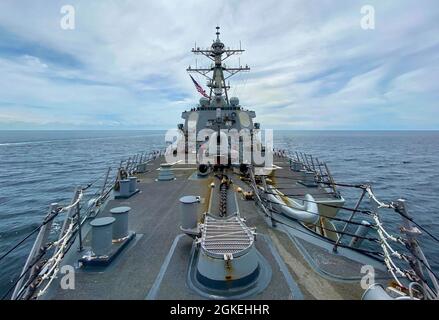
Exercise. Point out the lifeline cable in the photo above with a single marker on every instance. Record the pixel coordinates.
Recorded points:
(417, 224)
(379, 254)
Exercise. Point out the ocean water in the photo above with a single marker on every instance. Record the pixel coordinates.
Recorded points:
(41, 167)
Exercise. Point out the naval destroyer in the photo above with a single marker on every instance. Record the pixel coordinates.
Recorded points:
(220, 213)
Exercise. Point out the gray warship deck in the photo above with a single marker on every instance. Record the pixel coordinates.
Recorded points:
(155, 264)
(240, 232)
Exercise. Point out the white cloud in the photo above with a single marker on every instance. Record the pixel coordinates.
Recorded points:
(313, 67)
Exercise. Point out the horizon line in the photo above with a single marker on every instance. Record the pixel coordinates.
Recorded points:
(261, 129)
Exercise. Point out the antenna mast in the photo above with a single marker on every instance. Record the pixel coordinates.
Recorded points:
(217, 53)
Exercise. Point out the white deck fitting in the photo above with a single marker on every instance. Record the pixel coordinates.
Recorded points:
(226, 236)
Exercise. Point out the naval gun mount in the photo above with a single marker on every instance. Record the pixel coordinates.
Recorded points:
(215, 132)
(211, 126)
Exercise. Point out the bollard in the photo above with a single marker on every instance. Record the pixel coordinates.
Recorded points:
(125, 188)
(120, 226)
(102, 236)
(165, 173)
(361, 232)
(133, 184)
(189, 214)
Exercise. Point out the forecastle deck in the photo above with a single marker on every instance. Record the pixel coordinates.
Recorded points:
(157, 263)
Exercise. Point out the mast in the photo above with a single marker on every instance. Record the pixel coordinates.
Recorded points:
(218, 53)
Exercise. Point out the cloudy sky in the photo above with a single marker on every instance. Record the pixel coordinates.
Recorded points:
(313, 66)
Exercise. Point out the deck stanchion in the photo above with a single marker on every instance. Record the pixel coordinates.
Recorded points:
(41, 240)
(105, 181)
(349, 220)
(78, 221)
(411, 233)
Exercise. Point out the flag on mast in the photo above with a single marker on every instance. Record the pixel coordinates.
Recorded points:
(199, 88)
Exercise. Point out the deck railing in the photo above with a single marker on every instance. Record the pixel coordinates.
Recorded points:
(43, 262)
(401, 254)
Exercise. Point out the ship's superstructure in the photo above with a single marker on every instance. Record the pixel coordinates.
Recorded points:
(218, 116)
(218, 224)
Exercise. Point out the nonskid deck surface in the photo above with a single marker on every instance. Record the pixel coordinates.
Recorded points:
(155, 264)
(290, 182)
